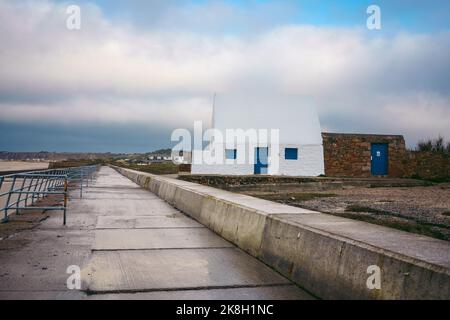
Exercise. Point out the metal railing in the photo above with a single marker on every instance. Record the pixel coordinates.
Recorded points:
(25, 190)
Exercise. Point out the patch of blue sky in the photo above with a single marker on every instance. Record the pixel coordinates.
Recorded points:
(397, 15)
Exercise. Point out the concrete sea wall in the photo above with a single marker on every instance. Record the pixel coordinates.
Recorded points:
(328, 256)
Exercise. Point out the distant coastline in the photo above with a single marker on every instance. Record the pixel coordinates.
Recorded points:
(54, 156)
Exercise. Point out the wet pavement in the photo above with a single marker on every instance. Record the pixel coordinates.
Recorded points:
(130, 244)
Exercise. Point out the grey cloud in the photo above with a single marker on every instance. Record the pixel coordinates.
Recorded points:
(115, 74)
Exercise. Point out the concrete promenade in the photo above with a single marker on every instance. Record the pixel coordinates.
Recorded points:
(328, 255)
(130, 244)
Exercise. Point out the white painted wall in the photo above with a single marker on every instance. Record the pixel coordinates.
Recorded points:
(228, 170)
(229, 167)
(310, 162)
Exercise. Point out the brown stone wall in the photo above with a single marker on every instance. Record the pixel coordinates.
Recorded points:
(427, 165)
(348, 155)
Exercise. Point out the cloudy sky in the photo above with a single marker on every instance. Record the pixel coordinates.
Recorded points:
(138, 69)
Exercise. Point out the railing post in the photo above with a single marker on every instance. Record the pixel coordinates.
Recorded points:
(65, 199)
(81, 184)
(52, 184)
(47, 181)
(41, 187)
(5, 218)
(1, 184)
(34, 191)
(58, 182)
(28, 190)
(19, 197)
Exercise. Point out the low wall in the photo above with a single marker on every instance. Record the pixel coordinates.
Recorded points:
(426, 165)
(328, 256)
(283, 183)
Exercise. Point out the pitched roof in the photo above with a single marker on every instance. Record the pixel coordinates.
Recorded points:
(295, 116)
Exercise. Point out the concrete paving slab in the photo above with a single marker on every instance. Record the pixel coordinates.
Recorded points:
(135, 239)
(145, 222)
(156, 270)
(38, 259)
(122, 207)
(75, 221)
(114, 192)
(114, 188)
(98, 195)
(108, 181)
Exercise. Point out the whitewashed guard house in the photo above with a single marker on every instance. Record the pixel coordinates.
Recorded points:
(292, 145)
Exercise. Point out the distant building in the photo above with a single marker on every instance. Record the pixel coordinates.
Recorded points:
(182, 157)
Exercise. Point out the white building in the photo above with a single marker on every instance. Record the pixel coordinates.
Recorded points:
(295, 151)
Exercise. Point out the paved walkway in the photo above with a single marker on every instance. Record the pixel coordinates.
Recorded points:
(130, 244)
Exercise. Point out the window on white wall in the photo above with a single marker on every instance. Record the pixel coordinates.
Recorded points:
(231, 154)
(291, 153)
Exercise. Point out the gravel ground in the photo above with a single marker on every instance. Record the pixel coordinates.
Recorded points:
(423, 210)
(422, 204)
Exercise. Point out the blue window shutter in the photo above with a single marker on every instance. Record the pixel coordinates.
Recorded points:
(291, 153)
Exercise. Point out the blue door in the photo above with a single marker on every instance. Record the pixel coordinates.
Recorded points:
(379, 159)
(261, 160)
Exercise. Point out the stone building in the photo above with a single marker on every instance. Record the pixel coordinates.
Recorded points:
(364, 155)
